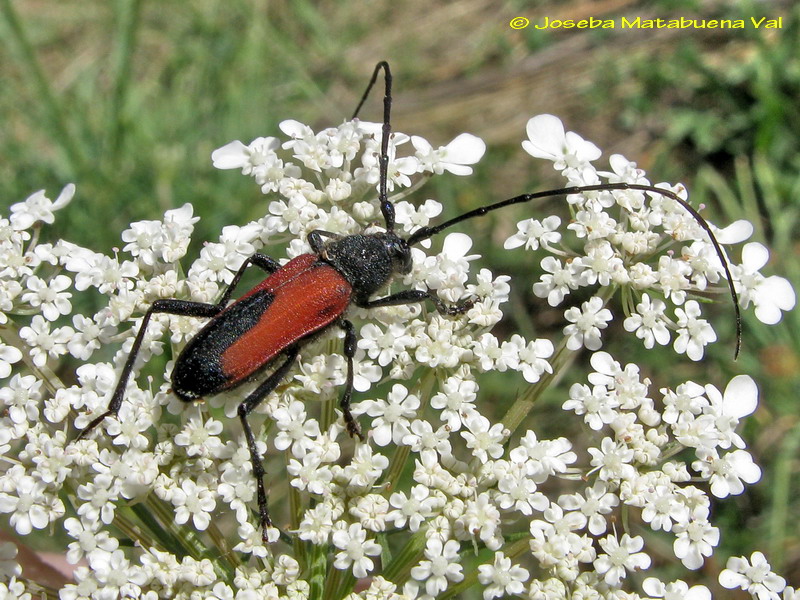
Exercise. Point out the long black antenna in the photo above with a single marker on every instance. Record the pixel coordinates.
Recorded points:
(424, 233)
(387, 208)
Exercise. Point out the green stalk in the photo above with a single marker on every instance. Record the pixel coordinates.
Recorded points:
(166, 539)
(188, 543)
(128, 12)
(295, 514)
(54, 112)
(225, 551)
(345, 582)
(561, 361)
(332, 583)
(781, 495)
(512, 550)
(318, 564)
(399, 569)
(401, 453)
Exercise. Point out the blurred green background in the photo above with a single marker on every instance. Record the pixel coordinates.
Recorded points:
(128, 98)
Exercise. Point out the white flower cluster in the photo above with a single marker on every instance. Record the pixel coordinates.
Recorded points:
(455, 488)
(624, 237)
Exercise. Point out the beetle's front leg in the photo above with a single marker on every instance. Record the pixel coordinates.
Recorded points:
(412, 296)
(315, 239)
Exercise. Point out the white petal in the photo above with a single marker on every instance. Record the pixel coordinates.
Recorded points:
(741, 397)
(730, 579)
(546, 135)
(744, 466)
(230, 156)
(582, 149)
(779, 295)
(65, 196)
(735, 233)
(754, 256)
(465, 149)
(421, 144)
(293, 128)
(456, 244)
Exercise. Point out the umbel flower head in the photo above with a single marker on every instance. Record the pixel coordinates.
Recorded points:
(443, 494)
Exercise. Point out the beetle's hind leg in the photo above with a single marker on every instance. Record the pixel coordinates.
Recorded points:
(168, 306)
(245, 408)
(172, 306)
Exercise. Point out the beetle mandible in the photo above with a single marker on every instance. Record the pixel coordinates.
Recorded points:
(302, 299)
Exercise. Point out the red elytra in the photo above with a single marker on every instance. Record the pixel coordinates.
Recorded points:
(309, 295)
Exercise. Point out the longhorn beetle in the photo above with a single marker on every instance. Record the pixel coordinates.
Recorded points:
(310, 294)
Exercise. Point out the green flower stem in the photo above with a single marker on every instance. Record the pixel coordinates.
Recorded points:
(187, 541)
(333, 583)
(399, 569)
(561, 361)
(401, 453)
(40, 590)
(346, 583)
(225, 551)
(157, 535)
(296, 510)
(784, 479)
(317, 566)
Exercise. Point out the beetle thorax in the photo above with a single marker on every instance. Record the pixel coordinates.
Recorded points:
(368, 261)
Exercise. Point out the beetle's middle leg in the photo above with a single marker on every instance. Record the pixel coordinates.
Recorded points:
(349, 352)
(245, 408)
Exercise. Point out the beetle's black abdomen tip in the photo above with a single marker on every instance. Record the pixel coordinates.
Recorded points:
(185, 395)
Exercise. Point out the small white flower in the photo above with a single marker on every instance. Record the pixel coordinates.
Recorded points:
(695, 539)
(534, 233)
(613, 459)
(50, 296)
(29, 503)
(195, 501)
(754, 576)
(587, 323)
(502, 578)
(465, 149)
(620, 556)
(597, 404)
(392, 416)
(439, 567)
(771, 295)
(44, 343)
(649, 322)
(547, 139)
(728, 473)
(677, 590)
(693, 333)
(38, 207)
(355, 549)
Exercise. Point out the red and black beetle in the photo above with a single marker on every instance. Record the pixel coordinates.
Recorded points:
(312, 292)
